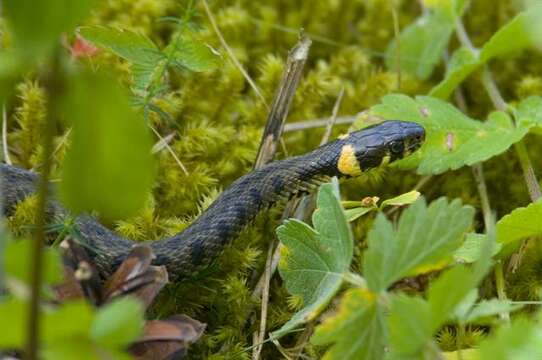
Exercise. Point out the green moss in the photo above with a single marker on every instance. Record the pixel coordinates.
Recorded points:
(217, 121)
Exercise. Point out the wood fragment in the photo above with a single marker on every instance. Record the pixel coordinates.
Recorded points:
(282, 100)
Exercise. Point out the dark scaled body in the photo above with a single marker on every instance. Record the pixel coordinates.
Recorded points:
(192, 249)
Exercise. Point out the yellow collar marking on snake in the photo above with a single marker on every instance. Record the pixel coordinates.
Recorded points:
(348, 164)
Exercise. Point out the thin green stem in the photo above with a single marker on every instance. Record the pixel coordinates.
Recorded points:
(500, 285)
(500, 104)
(52, 84)
(478, 172)
(528, 171)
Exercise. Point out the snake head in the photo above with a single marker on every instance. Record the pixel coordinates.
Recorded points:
(379, 145)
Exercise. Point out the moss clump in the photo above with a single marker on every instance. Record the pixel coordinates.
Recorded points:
(217, 119)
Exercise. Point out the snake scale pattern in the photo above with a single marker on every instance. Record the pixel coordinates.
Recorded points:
(192, 249)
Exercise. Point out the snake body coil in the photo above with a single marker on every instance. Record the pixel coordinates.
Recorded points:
(192, 249)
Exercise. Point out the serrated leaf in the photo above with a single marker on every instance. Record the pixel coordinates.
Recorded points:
(314, 261)
(453, 139)
(108, 167)
(413, 321)
(191, 53)
(471, 248)
(424, 236)
(18, 263)
(401, 200)
(118, 323)
(409, 324)
(462, 63)
(442, 301)
(38, 24)
(421, 44)
(129, 45)
(357, 331)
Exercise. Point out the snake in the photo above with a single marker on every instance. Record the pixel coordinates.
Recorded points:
(191, 250)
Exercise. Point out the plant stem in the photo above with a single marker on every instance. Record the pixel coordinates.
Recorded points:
(498, 101)
(499, 284)
(478, 173)
(528, 171)
(52, 84)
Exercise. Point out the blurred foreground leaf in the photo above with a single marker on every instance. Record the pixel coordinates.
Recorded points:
(18, 263)
(108, 167)
(314, 261)
(118, 323)
(520, 341)
(38, 24)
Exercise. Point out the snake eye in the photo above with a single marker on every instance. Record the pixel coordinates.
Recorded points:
(397, 147)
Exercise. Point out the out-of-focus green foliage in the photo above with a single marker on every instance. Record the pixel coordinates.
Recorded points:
(215, 119)
(108, 167)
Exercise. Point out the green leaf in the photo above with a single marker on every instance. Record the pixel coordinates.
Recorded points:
(314, 261)
(401, 200)
(529, 111)
(118, 323)
(452, 8)
(81, 349)
(69, 321)
(442, 301)
(522, 32)
(409, 324)
(462, 63)
(471, 248)
(13, 312)
(485, 309)
(38, 24)
(424, 240)
(191, 53)
(413, 321)
(520, 341)
(18, 262)
(453, 139)
(520, 223)
(357, 331)
(421, 44)
(353, 214)
(129, 45)
(108, 167)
